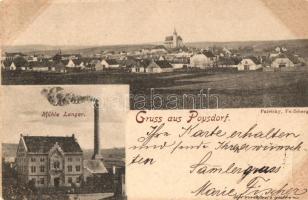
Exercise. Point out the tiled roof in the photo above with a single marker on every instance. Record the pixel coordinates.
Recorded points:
(111, 61)
(254, 59)
(43, 144)
(163, 64)
(229, 61)
(144, 62)
(169, 38)
(109, 162)
(208, 54)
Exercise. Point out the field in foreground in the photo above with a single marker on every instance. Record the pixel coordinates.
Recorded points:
(233, 89)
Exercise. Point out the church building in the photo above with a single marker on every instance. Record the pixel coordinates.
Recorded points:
(173, 41)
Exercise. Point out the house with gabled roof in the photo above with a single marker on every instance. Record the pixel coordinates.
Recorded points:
(70, 63)
(249, 63)
(201, 61)
(12, 66)
(110, 63)
(49, 161)
(40, 66)
(228, 62)
(159, 66)
(281, 61)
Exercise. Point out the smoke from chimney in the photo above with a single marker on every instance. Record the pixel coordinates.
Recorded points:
(56, 96)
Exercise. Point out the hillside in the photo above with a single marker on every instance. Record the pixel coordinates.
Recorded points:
(40, 48)
(83, 50)
(298, 46)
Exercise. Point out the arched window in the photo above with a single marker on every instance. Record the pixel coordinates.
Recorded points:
(56, 164)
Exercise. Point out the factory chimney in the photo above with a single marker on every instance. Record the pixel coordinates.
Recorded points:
(96, 154)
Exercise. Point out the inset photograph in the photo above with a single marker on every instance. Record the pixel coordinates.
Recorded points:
(64, 142)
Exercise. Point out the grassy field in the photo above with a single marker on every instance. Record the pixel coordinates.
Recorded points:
(234, 89)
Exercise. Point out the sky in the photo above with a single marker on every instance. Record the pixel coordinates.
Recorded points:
(22, 107)
(110, 22)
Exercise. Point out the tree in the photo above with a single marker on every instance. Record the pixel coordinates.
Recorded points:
(20, 62)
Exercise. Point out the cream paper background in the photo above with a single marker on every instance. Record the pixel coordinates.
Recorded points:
(169, 178)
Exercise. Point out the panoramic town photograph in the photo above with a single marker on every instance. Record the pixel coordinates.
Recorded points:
(172, 54)
(64, 145)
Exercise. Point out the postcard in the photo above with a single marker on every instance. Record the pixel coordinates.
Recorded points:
(156, 99)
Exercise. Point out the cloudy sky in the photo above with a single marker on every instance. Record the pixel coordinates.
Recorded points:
(108, 22)
(22, 107)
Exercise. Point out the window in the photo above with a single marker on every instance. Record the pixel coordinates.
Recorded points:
(69, 168)
(33, 180)
(78, 159)
(69, 180)
(42, 168)
(42, 181)
(33, 169)
(123, 178)
(42, 159)
(33, 159)
(69, 159)
(56, 165)
(78, 168)
(78, 180)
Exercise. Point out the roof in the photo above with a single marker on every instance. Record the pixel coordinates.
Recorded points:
(95, 166)
(170, 38)
(163, 64)
(254, 59)
(229, 60)
(65, 62)
(208, 54)
(144, 62)
(111, 61)
(129, 62)
(43, 144)
(110, 162)
(7, 63)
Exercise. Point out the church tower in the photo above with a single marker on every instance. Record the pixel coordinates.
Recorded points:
(175, 39)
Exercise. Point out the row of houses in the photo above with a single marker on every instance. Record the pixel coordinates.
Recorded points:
(154, 66)
(208, 60)
(161, 61)
(133, 65)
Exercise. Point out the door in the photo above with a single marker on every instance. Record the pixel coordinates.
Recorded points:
(56, 182)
